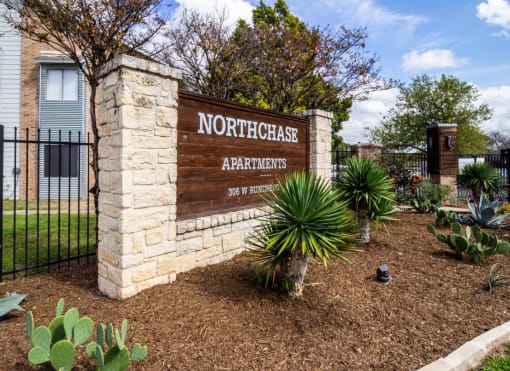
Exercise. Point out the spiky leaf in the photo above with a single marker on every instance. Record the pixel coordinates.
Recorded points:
(11, 302)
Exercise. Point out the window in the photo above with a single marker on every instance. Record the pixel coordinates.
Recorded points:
(61, 160)
(62, 84)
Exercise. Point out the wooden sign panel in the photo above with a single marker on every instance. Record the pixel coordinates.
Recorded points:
(230, 154)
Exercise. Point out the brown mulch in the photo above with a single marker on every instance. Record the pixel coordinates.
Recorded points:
(218, 318)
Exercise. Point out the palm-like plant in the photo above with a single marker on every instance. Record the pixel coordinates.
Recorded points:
(304, 220)
(480, 177)
(366, 188)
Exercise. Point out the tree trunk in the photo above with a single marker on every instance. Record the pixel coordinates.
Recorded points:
(295, 273)
(95, 155)
(364, 227)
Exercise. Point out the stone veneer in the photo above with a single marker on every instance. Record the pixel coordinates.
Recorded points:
(319, 158)
(141, 243)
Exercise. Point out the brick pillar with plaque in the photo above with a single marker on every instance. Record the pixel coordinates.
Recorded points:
(442, 154)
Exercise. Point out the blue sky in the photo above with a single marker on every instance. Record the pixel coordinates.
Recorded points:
(469, 39)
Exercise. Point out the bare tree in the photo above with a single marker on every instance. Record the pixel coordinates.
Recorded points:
(200, 45)
(91, 33)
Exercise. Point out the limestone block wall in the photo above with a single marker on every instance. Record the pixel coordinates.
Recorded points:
(137, 119)
(213, 239)
(319, 159)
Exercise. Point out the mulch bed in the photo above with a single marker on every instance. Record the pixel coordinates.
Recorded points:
(218, 318)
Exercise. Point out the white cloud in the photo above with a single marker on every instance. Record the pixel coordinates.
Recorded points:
(496, 12)
(367, 114)
(236, 9)
(431, 59)
(497, 98)
(380, 21)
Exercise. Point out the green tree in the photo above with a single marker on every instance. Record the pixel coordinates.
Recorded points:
(277, 62)
(91, 33)
(426, 101)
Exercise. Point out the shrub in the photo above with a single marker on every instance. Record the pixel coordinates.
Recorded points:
(480, 177)
(58, 342)
(367, 190)
(304, 220)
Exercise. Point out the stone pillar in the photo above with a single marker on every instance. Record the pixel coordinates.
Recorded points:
(137, 120)
(442, 154)
(369, 150)
(319, 158)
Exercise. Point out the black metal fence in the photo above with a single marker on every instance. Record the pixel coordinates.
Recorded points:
(47, 218)
(499, 161)
(403, 169)
(406, 168)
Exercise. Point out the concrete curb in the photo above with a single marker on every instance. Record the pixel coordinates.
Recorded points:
(471, 354)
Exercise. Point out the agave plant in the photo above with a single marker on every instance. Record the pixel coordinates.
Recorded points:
(484, 213)
(367, 190)
(480, 177)
(304, 220)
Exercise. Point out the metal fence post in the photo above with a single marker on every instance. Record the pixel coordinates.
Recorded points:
(1, 201)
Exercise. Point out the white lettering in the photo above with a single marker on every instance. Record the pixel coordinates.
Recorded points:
(231, 127)
(280, 137)
(252, 129)
(205, 123)
(262, 136)
(294, 135)
(236, 127)
(226, 164)
(215, 125)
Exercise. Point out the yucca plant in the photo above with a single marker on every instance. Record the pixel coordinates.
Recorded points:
(480, 177)
(304, 220)
(367, 190)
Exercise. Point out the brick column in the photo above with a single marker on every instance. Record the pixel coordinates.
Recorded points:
(442, 154)
(137, 119)
(320, 142)
(371, 151)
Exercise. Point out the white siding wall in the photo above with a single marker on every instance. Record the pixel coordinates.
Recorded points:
(10, 96)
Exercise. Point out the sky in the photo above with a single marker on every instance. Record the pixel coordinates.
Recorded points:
(468, 39)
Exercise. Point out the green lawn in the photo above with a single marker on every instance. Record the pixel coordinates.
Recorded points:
(54, 239)
(9, 205)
